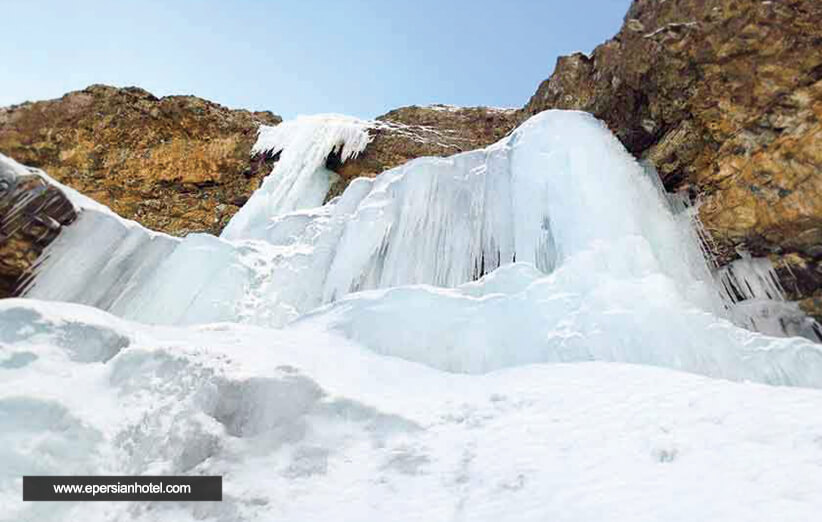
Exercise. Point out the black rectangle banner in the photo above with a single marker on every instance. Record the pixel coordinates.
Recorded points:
(112, 487)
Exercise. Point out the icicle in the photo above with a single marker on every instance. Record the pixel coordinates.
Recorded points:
(750, 278)
(756, 299)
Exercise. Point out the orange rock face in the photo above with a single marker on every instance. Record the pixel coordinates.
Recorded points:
(413, 132)
(177, 164)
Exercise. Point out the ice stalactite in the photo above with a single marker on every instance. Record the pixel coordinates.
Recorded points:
(757, 299)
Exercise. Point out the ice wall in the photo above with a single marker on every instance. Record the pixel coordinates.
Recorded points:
(100, 260)
(559, 185)
(580, 256)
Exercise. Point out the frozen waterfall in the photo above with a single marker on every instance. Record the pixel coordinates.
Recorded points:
(299, 179)
(551, 245)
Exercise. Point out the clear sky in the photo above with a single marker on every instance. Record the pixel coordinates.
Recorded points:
(358, 57)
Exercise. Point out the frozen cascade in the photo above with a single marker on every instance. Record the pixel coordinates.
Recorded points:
(753, 296)
(299, 179)
(595, 264)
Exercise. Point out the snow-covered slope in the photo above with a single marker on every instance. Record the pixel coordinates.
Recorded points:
(401, 353)
(305, 426)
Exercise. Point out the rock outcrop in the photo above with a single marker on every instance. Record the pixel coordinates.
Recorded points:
(176, 164)
(437, 130)
(412, 132)
(724, 97)
(32, 212)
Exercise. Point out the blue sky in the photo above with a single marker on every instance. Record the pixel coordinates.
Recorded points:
(358, 57)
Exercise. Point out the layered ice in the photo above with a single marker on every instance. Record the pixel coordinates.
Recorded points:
(574, 250)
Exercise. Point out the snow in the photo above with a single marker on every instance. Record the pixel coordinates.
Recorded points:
(444, 107)
(304, 425)
(503, 334)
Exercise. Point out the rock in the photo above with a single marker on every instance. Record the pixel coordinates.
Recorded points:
(164, 162)
(32, 212)
(412, 132)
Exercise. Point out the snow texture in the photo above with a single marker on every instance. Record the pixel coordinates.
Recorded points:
(305, 426)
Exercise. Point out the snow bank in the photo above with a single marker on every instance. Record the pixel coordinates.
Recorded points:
(303, 425)
(514, 317)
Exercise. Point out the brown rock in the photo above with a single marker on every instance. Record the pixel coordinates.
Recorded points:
(32, 213)
(412, 132)
(177, 164)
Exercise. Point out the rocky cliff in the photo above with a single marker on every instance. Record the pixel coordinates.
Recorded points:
(176, 164)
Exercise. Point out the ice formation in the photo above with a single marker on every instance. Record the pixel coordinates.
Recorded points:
(616, 267)
(759, 304)
(441, 221)
(299, 179)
